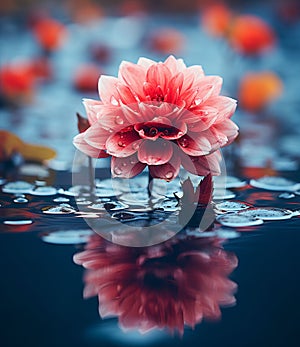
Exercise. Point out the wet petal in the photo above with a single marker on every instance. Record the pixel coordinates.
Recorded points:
(167, 171)
(198, 144)
(96, 136)
(80, 143)
(155, 152)
(107, 88)
(134, 76)
(123, 143)
(127, 167)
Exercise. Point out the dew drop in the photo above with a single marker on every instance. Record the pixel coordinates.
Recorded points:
(153, 132)
(169, 175)
(135, 146)
(20, 200)
(121, 144)
(184, 142)
(119, 120)
(117, 170)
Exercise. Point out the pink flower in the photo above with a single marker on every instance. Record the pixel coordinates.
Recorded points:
(161, 115)
(176, 283)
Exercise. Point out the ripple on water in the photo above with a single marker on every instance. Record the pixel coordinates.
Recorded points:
(17, 187)
(230, 206)
(44, 191)
(267, 213)
(61, 209)
(275, 183)
(67, 237)
(18, 222)
(236, 220)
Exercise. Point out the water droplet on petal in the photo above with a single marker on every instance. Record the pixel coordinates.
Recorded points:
(184, 142)
(18, 222)
(135, 146)
(121, 144)
(267, 213)
(20, 200)
(119, 120)
(169, 175)
(238, 220)
(117, 170)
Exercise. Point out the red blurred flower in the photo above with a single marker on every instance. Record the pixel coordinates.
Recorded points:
(49, 33)
(86, 77)
(17, 82)
(216, 19)
(251, 35)
(258, 89)
(167, 41)
(177, 283)
(159, 115)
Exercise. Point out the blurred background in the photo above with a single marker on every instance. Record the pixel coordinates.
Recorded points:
(53, 52)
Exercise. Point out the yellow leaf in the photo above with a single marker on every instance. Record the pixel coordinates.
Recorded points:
(11, 144)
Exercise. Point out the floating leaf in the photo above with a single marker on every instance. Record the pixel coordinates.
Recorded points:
(12, 144)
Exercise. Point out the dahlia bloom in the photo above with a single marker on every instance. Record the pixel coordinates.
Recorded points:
(161, 115)
(176, 283)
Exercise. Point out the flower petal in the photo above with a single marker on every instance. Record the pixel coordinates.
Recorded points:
(80, 143)
(159, 75)
(167, 171)
(228, 129)
(123, 143)
(202, 165)
(96, 136)
(134, 76)
(127, 167)
(145, 62)
(155, 152)
(198, 144)
(175, 65)
(91, 107)
(107, 88)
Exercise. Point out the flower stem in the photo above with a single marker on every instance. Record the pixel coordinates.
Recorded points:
(149, 188)
(91, 175)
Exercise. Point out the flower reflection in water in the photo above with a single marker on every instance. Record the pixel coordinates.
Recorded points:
(177, 283)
